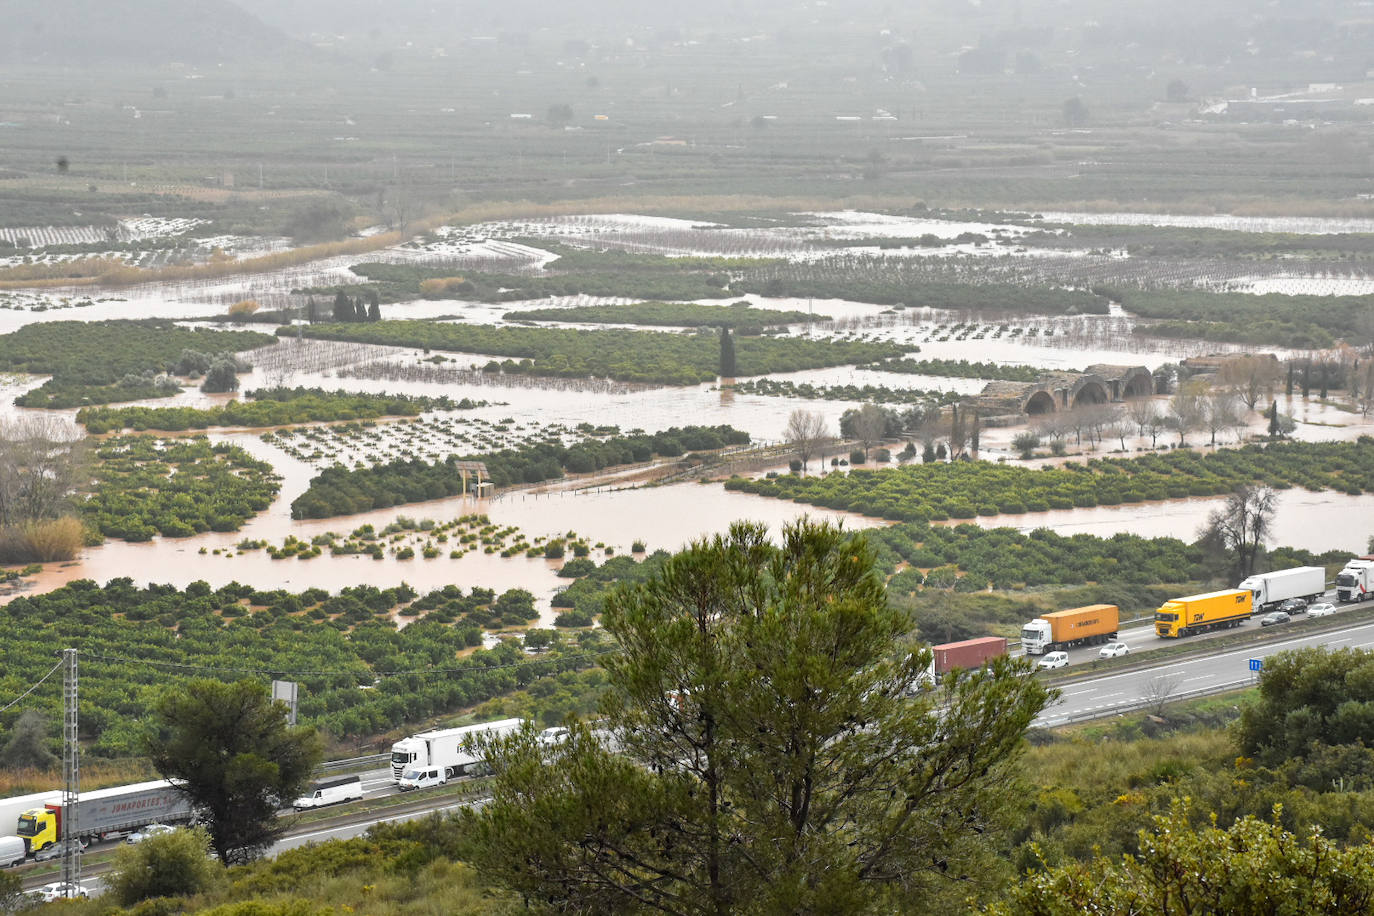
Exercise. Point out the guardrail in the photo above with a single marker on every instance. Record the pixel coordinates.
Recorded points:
(1146, 703)
(354, 763)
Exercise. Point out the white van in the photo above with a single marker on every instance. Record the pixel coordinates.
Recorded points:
(12, 851)
(425, 778)
(1054, 660)
(331, 792)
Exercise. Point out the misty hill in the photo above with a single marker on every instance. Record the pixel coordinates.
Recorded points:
(136, 32)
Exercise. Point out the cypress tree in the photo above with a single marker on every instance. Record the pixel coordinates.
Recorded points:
(1289, 392)
(343, 307)
(727, 354)
(1274, 420)
(1306, 379)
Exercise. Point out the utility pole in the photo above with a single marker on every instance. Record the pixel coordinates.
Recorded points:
(71, 774)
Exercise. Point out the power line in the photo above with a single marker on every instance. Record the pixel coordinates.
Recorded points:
(36, 685)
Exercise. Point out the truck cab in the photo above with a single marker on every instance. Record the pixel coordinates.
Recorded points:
(404, 753)
(38, 828)
(1037, 636)
(1356, 581)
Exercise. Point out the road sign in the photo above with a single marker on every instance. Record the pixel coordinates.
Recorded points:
(1256, 664)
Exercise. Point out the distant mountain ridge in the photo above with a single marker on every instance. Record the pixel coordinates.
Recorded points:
(146, 32)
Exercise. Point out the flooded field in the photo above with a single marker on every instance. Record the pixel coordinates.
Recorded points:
(614, 514)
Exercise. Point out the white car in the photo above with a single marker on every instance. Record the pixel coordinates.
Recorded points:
(552, 737)
(49, 893)
(1321, 610)
(138, 836)
(1113, 650)
(1054, 660)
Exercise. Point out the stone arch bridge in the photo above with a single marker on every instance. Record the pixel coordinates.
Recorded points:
(1056, 391)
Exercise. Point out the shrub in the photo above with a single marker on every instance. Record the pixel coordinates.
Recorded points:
(857, 456)
(46, 542)
(173, 864)
(1025, 443)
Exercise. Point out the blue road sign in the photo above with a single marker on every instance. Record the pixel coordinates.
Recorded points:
(1256, 664)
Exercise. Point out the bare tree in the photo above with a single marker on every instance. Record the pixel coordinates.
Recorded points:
(870, 426)
(1141, 411)
(1158, 691)
(1096, 418)
(42, 462)
(1250, 377)
(1241, 526)
(1366, 395)
(1185, 411)
(1220, 413)
(806, 430)
(1120, 429)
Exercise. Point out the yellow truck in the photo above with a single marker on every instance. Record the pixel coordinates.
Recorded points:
(1200, 613)
(1078, 626)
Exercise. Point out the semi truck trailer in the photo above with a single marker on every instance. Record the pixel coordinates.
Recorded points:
(968, 653)
(1091, 625)
(443, 748)
(1356, 581)
(104, 813)
(1200, 613)
(1273, 588)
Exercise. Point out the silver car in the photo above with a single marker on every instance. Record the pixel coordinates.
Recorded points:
(1321, 609)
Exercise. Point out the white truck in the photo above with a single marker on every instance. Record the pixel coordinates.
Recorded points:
(1356, 581)
(1273, 588)
(442, 749)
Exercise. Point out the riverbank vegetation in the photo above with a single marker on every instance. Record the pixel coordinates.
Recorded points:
(145, 486)
(960, 368)
(964, 489)
(740, 316)
(268, 407)
(893, 282)
(344, 491)
(99, 362)
(868, 394)
(1273, 319)
(628, 356)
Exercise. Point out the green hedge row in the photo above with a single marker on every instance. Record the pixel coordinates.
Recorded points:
(964, 489)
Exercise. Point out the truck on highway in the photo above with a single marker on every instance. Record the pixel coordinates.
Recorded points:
(1200, 613)
(103, 813)
(968, 653)
(1356, 581)
(1078, 626)
(1273, 588)
(443, 748)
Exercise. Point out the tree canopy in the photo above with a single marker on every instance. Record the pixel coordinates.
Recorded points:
(767, 753)
(229, 749)
(1247, 869)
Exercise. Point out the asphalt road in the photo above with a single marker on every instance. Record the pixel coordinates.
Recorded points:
(1100, 695)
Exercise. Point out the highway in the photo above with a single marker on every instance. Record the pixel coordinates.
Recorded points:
(1140, 635)
(1094, 696)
